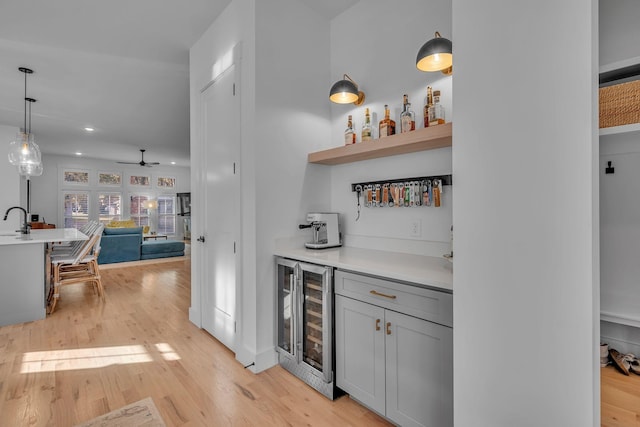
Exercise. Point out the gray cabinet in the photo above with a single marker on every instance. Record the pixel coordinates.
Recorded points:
(397, 364)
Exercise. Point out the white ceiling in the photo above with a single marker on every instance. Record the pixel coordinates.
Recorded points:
(119, 66)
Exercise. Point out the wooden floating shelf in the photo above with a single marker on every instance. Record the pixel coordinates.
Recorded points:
(403, 143)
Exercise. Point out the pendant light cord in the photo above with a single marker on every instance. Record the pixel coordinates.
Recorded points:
(25, 101)
(30, 102)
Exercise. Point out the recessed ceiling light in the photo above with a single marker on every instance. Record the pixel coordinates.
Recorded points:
(78, 154)
(89, 129)
(173, 163)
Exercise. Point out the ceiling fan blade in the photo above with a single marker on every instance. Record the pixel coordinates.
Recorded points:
(141, 162)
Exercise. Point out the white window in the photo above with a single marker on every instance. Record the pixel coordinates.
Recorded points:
(76, 209)
(140, 180)
(165, 182)
(137, 210)
(75, 177)
(166, 215)
(109, 207)
(110, 179)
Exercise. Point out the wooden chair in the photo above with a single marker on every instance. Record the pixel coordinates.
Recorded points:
(78, 266)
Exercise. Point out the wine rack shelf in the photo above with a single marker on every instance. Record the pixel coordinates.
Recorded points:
(418, 140)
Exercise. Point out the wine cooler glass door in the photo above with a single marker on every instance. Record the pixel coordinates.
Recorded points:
(286, 307)
(316, 319)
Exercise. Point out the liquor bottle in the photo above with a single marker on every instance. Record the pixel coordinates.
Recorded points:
(349, 133)
(407, 118)
(366, 127)
(436, 114)
(387, 126)
(427, 107)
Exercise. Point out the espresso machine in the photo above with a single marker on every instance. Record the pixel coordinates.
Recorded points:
(326, 231)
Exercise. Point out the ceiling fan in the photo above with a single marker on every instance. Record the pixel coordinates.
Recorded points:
(141, 162)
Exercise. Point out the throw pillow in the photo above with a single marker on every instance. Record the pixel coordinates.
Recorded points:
(123, 223)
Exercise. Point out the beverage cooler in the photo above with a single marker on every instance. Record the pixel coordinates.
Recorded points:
(305, 322)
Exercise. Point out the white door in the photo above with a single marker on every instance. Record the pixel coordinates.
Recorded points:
(221, 137)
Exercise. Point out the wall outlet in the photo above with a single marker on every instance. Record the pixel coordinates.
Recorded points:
(415, 228)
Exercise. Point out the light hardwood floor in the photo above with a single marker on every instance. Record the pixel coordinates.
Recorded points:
(91, 357)
(620, 397)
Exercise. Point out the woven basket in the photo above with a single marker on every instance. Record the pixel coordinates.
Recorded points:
(620, 104)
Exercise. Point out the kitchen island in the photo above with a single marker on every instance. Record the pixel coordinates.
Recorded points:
(23, 267)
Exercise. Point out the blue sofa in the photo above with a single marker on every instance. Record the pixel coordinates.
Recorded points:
(126, 244)
(161, 249)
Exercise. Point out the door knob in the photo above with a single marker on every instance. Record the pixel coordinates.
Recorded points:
(201, 239)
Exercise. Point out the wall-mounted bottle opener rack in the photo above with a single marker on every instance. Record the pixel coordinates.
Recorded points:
(402, 192)
(446, 180)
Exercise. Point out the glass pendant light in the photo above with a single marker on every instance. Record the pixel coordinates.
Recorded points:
(30, 169)
(23, 151)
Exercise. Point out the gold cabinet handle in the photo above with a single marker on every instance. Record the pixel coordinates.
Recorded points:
(388, 328)
(377, 324)
(382, 295)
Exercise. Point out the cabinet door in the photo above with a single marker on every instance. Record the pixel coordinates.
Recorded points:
(360, 355)
(419, 371)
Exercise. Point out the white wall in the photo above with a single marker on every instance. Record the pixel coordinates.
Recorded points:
(279, 187)
(46, 190)
(620, 234)
(376, 42)
(292, 119)
(10, 188)
(619, 30)
(620, 212)
(526, 213)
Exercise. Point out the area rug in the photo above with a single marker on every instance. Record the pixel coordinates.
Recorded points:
(139, 414)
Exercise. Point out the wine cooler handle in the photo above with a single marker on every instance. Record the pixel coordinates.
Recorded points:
(293, 314)
(380, 294)
(388, 328)
(377, 324)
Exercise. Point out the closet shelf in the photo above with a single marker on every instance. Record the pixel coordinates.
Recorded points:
(634, 127)
(418, 140)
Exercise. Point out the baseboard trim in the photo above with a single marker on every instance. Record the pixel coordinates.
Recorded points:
(257, 362)
(144, 262)
(624, 338)
(195, 317)
(266, 359)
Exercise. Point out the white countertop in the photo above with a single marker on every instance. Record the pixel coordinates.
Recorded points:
(42, 236)
(434, 272)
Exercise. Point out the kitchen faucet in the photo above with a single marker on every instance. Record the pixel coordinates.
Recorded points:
(25, 228)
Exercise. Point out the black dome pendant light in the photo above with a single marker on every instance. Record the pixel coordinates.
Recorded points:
(436, 55)
(346, 92)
